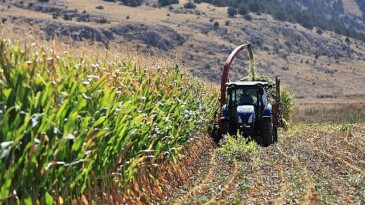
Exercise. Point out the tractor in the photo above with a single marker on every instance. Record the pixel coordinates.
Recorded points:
(245, 107)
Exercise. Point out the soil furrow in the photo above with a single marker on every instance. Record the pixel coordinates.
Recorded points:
(310, 165)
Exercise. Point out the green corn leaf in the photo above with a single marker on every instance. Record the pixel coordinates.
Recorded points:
(49, 199)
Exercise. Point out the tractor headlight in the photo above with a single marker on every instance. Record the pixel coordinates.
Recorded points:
(239, 119)
(250, 119)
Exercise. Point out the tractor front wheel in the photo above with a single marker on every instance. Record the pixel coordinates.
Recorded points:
(267, 130)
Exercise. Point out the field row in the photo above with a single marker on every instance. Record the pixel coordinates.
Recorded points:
(315, 164)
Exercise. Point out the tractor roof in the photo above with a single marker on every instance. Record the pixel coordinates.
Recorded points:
(247, 83)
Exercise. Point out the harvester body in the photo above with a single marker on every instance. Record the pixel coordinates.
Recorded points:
(245, 107)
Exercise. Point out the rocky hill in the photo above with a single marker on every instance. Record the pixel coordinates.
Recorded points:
(314, 62)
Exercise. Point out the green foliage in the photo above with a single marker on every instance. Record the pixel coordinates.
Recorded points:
(167, 2)
(242, 9)
(216, 24)
(189, 5)
(252, 64)
(347, 128)
(287, 105)
(67, 123)
(248, 17)
(239, 148)
(132, 3)
(319, 31)
(287, 96)
(231, 11)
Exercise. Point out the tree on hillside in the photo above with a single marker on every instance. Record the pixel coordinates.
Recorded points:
(189, 5)
(255, 7)
(231, 11)
(167, 2)
(132, 3)
(242, 9)
(216, 24)
(280, 16)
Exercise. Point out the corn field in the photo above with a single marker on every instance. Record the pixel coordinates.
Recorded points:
(72, 128)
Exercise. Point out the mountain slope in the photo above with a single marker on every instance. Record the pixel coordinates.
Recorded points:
(313, 62)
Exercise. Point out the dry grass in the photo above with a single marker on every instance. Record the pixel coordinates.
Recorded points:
(332, 110)
(316, 164)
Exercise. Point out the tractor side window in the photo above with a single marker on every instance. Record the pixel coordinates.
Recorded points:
(238, 96)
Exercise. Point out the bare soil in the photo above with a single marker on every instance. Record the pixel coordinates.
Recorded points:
(312, 164)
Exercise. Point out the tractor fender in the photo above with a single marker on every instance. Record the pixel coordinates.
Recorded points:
(267, 111)
(225, 113)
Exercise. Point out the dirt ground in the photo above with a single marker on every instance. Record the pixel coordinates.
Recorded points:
(311, 164)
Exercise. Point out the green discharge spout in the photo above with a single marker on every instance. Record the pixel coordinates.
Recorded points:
(252, 64)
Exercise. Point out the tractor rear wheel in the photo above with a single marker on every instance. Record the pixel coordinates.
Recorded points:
(267, 136)
(275, 134)
(221, 131)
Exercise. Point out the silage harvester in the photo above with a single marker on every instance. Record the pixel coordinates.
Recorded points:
(245, 107)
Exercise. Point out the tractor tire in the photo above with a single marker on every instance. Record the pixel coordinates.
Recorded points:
(275, 134)
(267, 132)
(221, 131)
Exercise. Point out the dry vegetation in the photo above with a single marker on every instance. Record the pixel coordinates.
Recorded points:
(312, 164)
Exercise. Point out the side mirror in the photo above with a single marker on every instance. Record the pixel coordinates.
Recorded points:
(270, 86)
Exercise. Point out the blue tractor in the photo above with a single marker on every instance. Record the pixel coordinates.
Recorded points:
(245, 107)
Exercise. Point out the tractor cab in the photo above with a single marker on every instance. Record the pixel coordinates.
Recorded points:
(246, 102)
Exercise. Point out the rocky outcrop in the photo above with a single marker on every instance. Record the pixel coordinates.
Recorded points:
(161, 37)
(77, 32)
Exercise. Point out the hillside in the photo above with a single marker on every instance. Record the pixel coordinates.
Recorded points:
(313, 63)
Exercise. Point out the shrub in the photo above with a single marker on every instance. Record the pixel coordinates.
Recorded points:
(99, 7)
(319, 31)
(231, 11)
(248, 17)
(189, 5)
(347, 40)
(216, 24)
(242, 9)
(132, 3)
(102, 20)
(167, 2)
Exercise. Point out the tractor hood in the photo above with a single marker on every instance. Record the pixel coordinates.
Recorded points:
(245, 115)
(245, 109)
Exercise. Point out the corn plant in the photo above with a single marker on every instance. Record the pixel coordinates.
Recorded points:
(67, 125)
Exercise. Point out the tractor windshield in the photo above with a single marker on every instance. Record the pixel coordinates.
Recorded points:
(244, 96)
